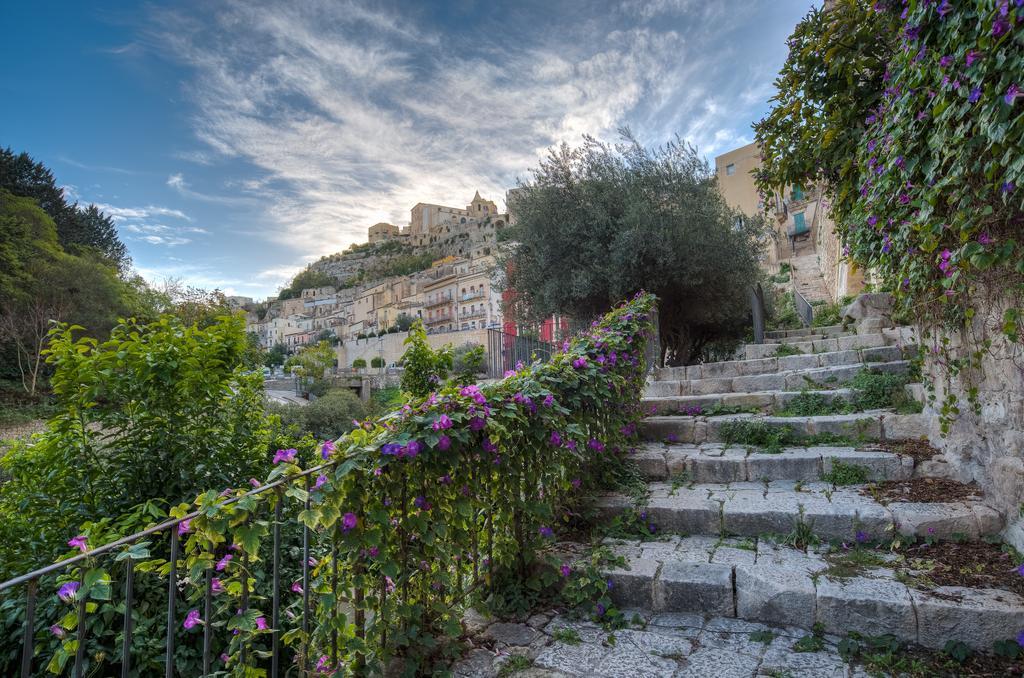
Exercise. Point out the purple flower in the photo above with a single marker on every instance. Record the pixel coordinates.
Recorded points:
(565, 570)
(600, 610)
(477, 424)
(216, 585)
(570, 445)
(872, 220)
(1020, 570)
(489, 446)
(579, 363)
(420, 501)
(261, 623)
(69, 591)
(944, 265)
(1008, 187)
(442, 423)
(861, 537)
(411, 449)
(222, 564)
(944, 8)
(985, 239)
(191, 619)
(326, 449)
(79, 543)
(321, 480)
(445, 479)
(443, 442)
(1000, 26)
(183, 527)
(971, 57)
(349, 521)
(1012, 92)
(286, 456)
(508, 373)
(974, 95)
(546, 532)
(224, 658)
(549, 400)
(323, 664)
(296, 587)
(946, 61)
(576, 482)
(57, 631)
(556, 439)
(610, 584)
(886, 244)
(596, 445)
(374, 551)
(391, 449)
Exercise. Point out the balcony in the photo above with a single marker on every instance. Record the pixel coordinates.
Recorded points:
(478, 313)
(439, 318)
(441, 300)
(472, 295)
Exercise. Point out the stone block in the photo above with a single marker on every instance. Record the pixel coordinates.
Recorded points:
(661, 389)
(941, 521)
(729, 552)
(673, 429)
(849, 425)
(710, 386)
(880, 465)
(871, 607)
(746, 400)
(775, 594)
(632, 584)
(720, 663)
(978, 617)
(721, 370)
(677, 459)
(990, 521)
(759, 382)
(838, 358)
(573, 660)
(694, 587)
(781, 660)
(752, 514)
(799, 362)
(505, 633)
(905, 426)
(478, 663)
(761, 366)
(627, 661)
(792, 464)
(727, 467)
(687, 512)
(651, 460)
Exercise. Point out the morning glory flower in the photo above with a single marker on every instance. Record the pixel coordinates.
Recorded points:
(349, 521)
(946, 61)
(412, 448)
(443, 443)
(596, 445)
(79, 543)
(183, 527)
(191, 619)
(1000, 26)
(971, 57)
(321, 480)
(69, 591)
(296, 587)
(391, 449)
(1012, 92)
(57, 631)
(443, 422)
(579, 363)
(1008, 187)
(286, 456)
(944, 8)
(576, 482)
(565, 569)
(974, 95)
(326, 449)
(216, 585)
(985, 239)
(261, 624)
(222, 564)
(489, 445)
(549, 400)
(861, 537)
(872, 220)
(477, 424)
(546, 532)
(556, 439)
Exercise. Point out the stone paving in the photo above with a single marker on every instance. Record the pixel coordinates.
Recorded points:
(670, 644)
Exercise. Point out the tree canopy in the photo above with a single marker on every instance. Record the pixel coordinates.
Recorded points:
(307, 279)
(600, 222)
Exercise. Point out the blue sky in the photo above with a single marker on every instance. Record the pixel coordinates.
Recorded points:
(237, 141)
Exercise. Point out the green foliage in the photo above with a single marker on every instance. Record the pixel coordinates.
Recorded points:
(428, 510)
(911, 121)
(404, 322)
(468, 361)
(359, 363)
(755, 433)
(377, 362)
(276, 355)
(879, 390)
(828, 314)
(425, 369)
(327, 417)
(513, 665)
(787, 350)
(811, 643)
(846, 474)
(958, 650)
(79, 229)
(157, 411)
(812, 404)
(781, 310)
(309, 278)
(765, 637)
(853, 562)
(599, 222)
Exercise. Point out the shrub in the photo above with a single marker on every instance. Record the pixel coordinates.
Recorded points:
(359, 363)
(468, 361)
(425, 369)
(331, 415)
(377, 362)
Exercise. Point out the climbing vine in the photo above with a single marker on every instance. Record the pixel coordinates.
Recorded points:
(910, 114)
(412, 517)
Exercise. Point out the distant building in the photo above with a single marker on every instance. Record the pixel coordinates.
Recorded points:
(382, 232)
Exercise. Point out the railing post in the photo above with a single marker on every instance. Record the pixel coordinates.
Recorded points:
(208, 622)
(80, 652)
(30, 623)
(172, 590)
(757, 311)
(126, 646)
(275, 661)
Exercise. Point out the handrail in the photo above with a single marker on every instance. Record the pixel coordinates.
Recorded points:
(803, 307)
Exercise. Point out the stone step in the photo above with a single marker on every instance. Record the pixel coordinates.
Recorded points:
(807, 332)
(763, 400)
(754, 351)
(806, 361)
(762, 581)
(749, 509)
(864, 426)
(788, 380)
(714, 463)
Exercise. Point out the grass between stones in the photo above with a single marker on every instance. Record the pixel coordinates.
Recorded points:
(846, 474)
(769, 439)
(871, 391)
(887, 656)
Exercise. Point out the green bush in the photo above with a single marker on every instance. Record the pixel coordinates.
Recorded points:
(377, 362)
(425, 369)
(468, 361)
(359, 363)
(331, 416)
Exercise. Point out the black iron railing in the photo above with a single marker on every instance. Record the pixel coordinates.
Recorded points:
(169, 530)
(803, 308)
(505, 351)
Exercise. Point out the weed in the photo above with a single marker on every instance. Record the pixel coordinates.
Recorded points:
(567, 635)
(679, 480)
(1010, 649)
(802, 535)
(812, 643)
(762, 637)
(810, 404)
(787, 350)
(769, 439)
(879, 390)
(514, 665)
(846, 474)
(633, 523)
(852, 563)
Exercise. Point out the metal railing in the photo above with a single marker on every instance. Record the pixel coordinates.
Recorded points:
(505, 351)
(31, 582)
(803, 308)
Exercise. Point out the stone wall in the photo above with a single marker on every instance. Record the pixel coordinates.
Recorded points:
(391, 346)
(840, 277)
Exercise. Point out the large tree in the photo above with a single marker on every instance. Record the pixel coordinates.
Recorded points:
(597, 223)
(77, 227)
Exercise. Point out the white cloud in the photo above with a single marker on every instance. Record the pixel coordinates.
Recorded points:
(123, 213)
(178, 183)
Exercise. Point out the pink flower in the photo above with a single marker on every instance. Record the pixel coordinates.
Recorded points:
(183, 527)
(216, 585)
(296, 587)
(57, 631)
(389, 584)
(254, 482)
(323, 664)
(286, 456)
(191, 619)
(327, 449)
(79, 543)
(349, 521)
(224, 658)
(261, 623)
(223, 563)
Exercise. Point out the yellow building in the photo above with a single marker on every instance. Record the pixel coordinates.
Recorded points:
(383, 231)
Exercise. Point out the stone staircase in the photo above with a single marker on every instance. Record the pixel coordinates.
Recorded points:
(726, 512)
(807, 277)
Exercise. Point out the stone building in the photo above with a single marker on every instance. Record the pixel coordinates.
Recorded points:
(382, 232)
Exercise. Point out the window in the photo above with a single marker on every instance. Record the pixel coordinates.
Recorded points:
(730, 169)
(798, 194)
